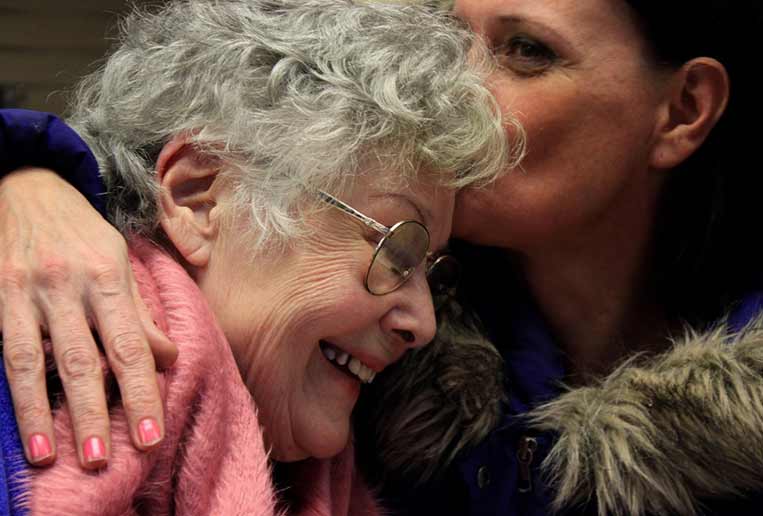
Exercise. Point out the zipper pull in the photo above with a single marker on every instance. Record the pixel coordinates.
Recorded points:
(527, 447)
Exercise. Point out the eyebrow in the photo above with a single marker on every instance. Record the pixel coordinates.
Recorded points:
(544, 29)
(513, 19)
(424, 214)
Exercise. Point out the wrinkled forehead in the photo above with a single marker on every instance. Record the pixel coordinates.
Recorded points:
(420, 198)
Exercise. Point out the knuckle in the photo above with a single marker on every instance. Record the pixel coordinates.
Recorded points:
(89, 418)
(53, 272)
(23, 358)
(107, 276)
(129, 351)
(139, 397)
(14, 277)
(31, 411)
(78, 363)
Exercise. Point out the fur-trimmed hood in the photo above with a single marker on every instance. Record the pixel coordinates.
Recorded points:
(660, 435)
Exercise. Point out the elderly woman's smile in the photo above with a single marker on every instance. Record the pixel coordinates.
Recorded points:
(348, 363)
(305, 330)
(305, 186)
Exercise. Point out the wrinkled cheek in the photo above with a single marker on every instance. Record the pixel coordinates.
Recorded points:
(320, 412)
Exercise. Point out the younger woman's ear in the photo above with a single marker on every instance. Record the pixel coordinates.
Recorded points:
(188, 199)
(697, 97)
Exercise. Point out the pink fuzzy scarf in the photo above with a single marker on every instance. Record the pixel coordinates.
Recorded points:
(212, 460)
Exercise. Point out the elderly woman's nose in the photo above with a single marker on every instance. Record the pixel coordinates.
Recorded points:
(412, 320)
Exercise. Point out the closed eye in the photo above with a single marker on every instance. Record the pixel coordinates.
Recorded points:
(525, 55)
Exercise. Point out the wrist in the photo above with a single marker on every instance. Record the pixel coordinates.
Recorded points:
(30, 177)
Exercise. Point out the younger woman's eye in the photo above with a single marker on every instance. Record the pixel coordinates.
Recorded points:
(526, 55)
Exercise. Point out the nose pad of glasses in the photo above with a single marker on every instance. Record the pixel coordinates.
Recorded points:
(406, 335)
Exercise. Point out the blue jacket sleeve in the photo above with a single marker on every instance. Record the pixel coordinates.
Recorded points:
(31, 138)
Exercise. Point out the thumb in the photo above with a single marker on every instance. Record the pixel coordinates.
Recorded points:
(164, 350)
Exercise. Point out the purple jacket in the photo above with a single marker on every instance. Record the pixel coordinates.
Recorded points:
(31, 138)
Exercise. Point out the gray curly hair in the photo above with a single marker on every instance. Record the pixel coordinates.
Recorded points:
(293, 96)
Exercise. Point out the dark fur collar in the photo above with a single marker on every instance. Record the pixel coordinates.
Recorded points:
(656, 436)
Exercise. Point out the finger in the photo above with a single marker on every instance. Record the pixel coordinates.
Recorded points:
(164, 350)
(121, 331)
(78, 362)
(25, 368)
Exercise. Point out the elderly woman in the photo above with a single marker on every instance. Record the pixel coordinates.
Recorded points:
(291, 167)
(633, 214)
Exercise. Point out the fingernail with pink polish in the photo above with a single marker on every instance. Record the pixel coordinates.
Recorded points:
(94, 449)
(39, 447)
(148, 431)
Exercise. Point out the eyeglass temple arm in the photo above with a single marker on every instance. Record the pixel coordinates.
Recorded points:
(368, 221)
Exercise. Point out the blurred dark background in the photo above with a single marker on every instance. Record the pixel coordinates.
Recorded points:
(46, 45)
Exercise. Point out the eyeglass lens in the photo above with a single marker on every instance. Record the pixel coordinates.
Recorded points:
(443, 275)
(397, 256)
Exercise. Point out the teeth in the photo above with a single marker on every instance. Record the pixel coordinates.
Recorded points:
(356, 367)
(360, 370)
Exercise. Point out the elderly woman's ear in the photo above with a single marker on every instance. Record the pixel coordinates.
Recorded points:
(190, 213)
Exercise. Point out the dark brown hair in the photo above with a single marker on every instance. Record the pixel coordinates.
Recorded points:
(708, 248)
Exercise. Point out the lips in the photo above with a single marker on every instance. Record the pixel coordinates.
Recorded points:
(347, 363)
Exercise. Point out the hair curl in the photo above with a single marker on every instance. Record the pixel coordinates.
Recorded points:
(293, 96)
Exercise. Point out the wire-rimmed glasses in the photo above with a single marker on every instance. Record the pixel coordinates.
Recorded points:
(402, 248)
